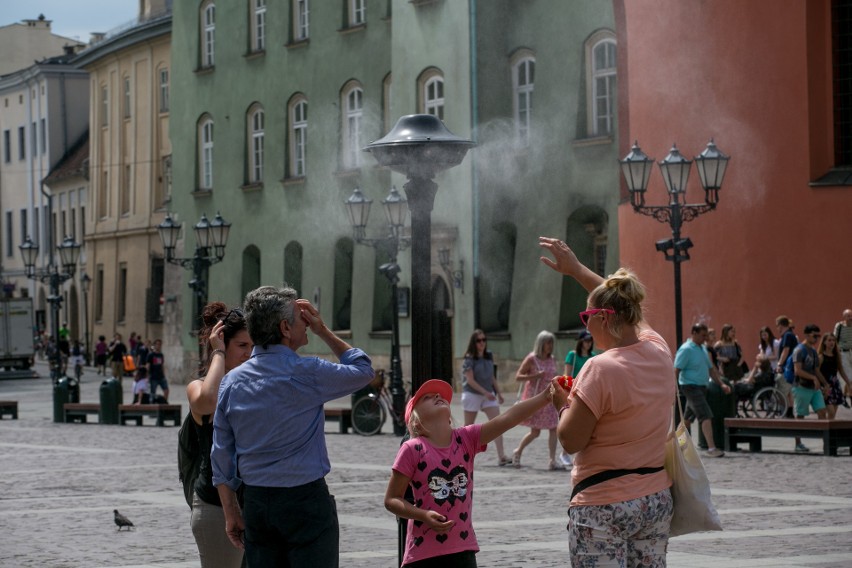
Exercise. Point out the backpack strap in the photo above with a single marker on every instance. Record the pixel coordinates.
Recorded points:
(608, 474)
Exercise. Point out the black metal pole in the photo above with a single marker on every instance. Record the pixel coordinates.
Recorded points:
(420, 192)
(55, 304)
(397, 390)
(86, 325)
(199, 288)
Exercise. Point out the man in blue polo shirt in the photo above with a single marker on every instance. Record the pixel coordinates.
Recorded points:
(693, 370)
(268, 434)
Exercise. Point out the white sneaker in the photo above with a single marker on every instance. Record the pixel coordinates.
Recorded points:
(714, 453)
(566, 459)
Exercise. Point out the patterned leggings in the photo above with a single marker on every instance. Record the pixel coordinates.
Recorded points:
(625, 534)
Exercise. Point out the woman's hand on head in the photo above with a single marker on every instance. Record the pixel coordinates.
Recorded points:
(564, 260)
(217, 336)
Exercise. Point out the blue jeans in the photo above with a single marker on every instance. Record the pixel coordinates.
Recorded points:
(291, 526)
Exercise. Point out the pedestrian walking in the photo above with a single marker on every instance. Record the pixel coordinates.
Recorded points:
(479, 387)
(831, 367)
(117, 351)
(155, 362)
(535, 373)
(269, 420)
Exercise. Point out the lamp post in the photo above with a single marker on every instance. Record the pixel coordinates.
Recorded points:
(711, 165)
(420, 146)
(396, 209)
(85, 282)
(54, 276)
(211, 238)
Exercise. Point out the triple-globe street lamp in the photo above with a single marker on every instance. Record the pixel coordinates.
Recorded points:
(53, 276)
(211, 238)
(396, 210)
(711, 165)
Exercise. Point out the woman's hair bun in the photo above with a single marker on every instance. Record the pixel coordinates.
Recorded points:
(626, 285)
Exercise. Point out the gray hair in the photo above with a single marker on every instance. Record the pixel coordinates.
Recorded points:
(265, 307)
(543, 338)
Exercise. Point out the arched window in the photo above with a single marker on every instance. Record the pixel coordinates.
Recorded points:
(208, 33)
(431, 87)
(387, 90)
(342, 305)
(601, 81)
(255, 119)
(298, 135)
(353, 114)
(498, 264)
(293, 266)
(586, 229)
(251, 269)
(205, 152)
(357, 12)
(523, 80)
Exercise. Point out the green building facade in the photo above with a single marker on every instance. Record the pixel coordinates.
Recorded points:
(273, 102)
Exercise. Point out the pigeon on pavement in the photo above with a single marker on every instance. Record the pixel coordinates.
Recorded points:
(121, 520)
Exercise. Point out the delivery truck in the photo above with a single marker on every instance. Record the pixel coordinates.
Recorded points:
(17, 348)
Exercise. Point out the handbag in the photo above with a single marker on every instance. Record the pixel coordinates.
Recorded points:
(693, 506)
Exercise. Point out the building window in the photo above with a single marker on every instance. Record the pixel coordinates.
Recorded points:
(342, 292)
(258, 27)
(36, 236)
(387, 85)
(43, 136)
(600, 63)
(164, 188)
(357, 12)
(99, 292)
(124, 200)
(164, 89)
(208, 33)
(353, 106)
(255, 149)
(523, 81)
(298, 136)
(841, 16)
(104, 106)
(121, 303)
(7, 146)
(127, 97)
(10, 246)
(22, 143)
(205, 153)
(300, 20)
(293, 266)
(34, 140)
(24, 225)
(431, 88)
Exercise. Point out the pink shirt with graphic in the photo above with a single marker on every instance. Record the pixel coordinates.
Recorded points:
(442, 481)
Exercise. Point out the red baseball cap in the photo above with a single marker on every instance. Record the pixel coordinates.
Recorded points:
(438, 386)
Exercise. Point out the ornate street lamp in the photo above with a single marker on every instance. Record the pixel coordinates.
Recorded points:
(711, 165)
(85, 283)
(211, 238)
(396, 210)
(420, 146)
(54, 276)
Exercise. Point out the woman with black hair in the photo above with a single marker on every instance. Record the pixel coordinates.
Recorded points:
(227, 345)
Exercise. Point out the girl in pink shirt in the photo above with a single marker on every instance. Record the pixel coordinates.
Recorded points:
(437, 463)
(616, 421)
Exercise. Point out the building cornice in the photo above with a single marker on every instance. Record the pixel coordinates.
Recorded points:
(23, 77)
(145, 31)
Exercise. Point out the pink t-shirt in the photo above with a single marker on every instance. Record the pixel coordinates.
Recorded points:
(630, 390)
(442, 481)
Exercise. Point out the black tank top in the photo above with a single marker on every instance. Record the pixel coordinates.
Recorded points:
(828, 367)
(204, 487)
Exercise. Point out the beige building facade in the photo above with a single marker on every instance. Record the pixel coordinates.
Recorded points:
(130, 175)
(31, 40)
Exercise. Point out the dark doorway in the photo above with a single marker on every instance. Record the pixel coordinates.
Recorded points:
(442, 332)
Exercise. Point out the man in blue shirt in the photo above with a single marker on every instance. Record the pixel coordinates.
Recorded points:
(693, 370)
(269, 434)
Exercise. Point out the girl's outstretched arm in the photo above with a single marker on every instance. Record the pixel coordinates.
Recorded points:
(513, 416)
(395, 503)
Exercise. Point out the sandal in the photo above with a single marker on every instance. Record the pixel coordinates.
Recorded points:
(554, 466)
(516, 459)
(503, 460)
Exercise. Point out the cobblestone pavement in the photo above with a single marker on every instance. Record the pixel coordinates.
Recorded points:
(60, 482)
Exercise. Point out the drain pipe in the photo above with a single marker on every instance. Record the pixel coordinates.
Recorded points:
(474, 118)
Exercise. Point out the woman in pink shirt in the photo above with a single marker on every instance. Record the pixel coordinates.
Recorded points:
(616, 421)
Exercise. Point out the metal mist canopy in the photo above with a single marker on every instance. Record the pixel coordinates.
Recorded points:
(419, 145)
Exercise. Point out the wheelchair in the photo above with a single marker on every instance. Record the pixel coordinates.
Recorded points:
(759, 401)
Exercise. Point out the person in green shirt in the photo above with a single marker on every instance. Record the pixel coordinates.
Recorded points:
(584, 351)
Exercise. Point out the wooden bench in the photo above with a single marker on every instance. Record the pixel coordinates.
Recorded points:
(161, 412)
(834, 433)
(341, 415)
(75, 411)
(9, 407)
